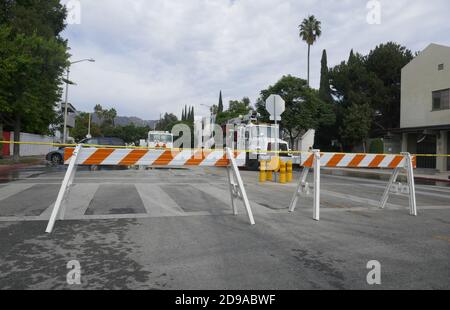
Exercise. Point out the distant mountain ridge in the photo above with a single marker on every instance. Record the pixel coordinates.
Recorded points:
(127, 120)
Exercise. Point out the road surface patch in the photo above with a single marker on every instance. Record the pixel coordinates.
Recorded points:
(116, 199)
(29, 202)
(190, 199)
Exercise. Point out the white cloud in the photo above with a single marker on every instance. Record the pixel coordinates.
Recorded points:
(156, 56)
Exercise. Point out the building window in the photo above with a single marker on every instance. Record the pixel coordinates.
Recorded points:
(441, 100)
(441, 67)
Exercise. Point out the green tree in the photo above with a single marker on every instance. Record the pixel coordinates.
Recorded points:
(106, 116)
(374, 80)
(356, 124)
(304, 108)
(33, 58)
(220, 106)
(236, 108)
(191, 114)
(353, 86)
(386, 62)
(80, 131)
(167, 122)
(310, 31)
(1, 138)
(183, 114)
(325, 134)
(325, 91)
(129, 133)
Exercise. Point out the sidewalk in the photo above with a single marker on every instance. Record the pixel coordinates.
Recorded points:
(384, 174)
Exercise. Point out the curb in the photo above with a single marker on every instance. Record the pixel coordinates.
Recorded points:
(432, 180)
(8, 168)
(378, 176)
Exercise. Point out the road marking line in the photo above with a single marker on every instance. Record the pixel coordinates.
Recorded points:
(13, 189)
(156, 201)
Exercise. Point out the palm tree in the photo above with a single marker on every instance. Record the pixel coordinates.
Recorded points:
(310, 30)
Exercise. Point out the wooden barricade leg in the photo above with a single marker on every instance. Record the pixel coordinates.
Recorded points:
(316, 214)
(233, 193)
(68, 178)
(411, 184)
(300, 188)
(387, 191)
(241, 193)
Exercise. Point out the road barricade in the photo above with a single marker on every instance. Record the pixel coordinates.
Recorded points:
(315, 160)
(231, 160)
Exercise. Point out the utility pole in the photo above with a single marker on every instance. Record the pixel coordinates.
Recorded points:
(67, 96)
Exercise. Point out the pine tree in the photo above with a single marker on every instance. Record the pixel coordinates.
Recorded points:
(220, 108)
(325, 91)
(351, 58)
(190, 114)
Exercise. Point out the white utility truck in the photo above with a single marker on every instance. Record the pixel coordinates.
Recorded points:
(258, 139)
(160, 139)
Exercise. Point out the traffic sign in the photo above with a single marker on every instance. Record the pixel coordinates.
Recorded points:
(275, 105)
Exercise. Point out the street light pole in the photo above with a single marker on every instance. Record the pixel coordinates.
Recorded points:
(67, 96)
(65, 106)
(89, 127)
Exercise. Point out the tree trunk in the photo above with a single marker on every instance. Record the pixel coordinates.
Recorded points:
(309, 54)
(1, 138)
(17, 128)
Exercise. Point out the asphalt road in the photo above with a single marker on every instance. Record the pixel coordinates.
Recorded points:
(174, 229)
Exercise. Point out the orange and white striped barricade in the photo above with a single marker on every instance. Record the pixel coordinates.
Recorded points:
(152, 157)
(316, 160)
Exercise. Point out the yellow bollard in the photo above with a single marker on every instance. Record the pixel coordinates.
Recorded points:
(269, 174)
(282, 172)
(262, 171)
(289, 171)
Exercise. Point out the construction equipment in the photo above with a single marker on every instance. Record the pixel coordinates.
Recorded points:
(258, 138)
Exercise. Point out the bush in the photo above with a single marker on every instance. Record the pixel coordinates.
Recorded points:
(376, 146)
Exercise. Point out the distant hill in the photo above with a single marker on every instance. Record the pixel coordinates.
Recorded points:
(126, 120)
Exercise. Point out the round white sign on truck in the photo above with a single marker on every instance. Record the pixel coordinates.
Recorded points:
(275, 105)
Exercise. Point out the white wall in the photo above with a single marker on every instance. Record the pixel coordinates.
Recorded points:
(33, 150)
(419, 79)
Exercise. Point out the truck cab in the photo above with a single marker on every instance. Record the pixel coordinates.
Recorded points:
(261, 140)
(160, 139)
(257, 139)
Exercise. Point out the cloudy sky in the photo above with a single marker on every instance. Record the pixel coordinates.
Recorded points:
(155, 56)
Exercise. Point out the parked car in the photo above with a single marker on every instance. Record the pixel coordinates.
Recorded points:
(57, 157)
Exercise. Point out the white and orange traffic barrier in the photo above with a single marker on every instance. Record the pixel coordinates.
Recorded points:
(339, 160)
(153, 157)
(316, 160)
(145, 157)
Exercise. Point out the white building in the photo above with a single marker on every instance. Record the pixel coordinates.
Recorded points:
(425, 106)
